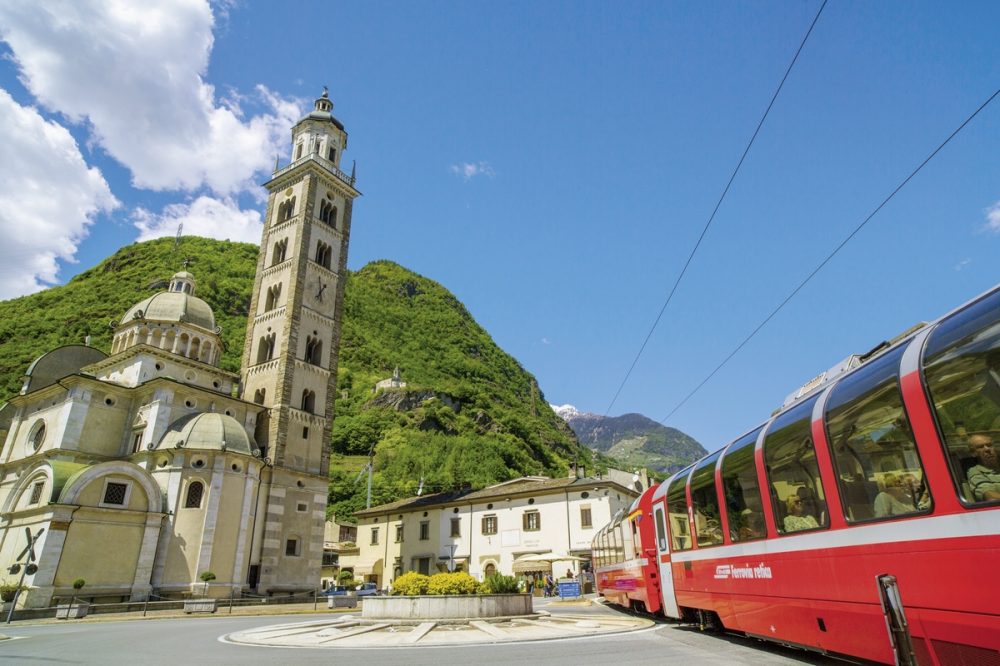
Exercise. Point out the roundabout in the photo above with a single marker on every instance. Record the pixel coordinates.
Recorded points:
(354, 632)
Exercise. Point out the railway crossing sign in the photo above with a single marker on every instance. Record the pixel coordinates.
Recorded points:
(29, 568)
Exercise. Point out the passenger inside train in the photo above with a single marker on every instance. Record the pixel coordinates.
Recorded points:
(797, 519)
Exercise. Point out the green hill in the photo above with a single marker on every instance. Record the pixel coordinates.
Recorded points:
(470, 414)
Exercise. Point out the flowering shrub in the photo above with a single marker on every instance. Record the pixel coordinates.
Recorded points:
(500, 584)
(452, 583)
(410, 584)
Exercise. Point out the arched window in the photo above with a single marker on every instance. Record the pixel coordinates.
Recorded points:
(325, 210)
(298, 151)
(265, 348)
(280, 248)
(323, 253)
(314, 350)
(333, 154)
(194, 494)
(258, 396)
(308, 401)
(271, 301)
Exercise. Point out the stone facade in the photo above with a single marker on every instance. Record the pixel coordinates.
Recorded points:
(142, 470)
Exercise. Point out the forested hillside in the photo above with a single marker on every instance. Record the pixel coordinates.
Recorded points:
(470, 414)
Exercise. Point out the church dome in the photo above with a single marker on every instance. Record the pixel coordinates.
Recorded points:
(178, 304)
(173, 306)
(208, 432)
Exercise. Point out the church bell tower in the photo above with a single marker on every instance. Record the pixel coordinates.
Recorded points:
(292, 346)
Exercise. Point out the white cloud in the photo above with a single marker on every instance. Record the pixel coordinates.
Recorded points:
(963, 264)
(205, 216)
(48, 198)
(134, 72)
(993, 218)
(469, 170)
(546, 341)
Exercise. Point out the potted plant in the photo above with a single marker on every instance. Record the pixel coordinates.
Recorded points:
(204, 604)
(74, 609)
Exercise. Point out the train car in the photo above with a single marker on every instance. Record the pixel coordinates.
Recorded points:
(624, 558)
(863, 517)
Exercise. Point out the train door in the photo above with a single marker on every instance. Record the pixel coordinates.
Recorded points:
(668, 596)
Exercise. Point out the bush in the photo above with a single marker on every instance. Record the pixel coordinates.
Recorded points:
(207, 576)
(410, 584)
(452, 583)
(79, 583)
(345, 577)
(8, 591)
(500, 584)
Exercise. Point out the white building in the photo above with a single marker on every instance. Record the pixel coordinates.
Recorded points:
(488, 530)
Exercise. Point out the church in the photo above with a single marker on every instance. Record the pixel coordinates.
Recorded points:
(142, 471)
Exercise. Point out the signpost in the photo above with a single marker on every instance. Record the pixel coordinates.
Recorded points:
(29, 567)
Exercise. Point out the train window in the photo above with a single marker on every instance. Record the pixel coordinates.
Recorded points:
(739, 483)
(661, 530)
(792, 472)
(680, 532)
(705, 503)
(874, 453)
(962, 375)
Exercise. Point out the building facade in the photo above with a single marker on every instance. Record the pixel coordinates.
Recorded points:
(487, 531)
(142, 470)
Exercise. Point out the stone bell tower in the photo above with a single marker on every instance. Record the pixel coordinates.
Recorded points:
(292, 346)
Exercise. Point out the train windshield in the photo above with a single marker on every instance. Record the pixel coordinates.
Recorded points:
(792, 471)
(874, 452)
(962, 376)
(739, 482)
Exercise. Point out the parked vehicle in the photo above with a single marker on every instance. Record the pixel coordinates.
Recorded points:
(365, 590)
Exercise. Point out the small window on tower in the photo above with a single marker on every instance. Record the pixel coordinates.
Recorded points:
(333, 154)
(298, 151)
(194, 494)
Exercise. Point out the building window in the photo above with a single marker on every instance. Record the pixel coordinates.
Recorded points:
(308, 401)
(265, 348)
(399, 534)
(136, 441)
(532, 521)
(333, 154)
(280, 249)
(490, 524)
(425, 530)
(115, 493)
(314, 350)
(271, 300)
(292, 547)
(258, 396)
(36, 492)
(456, 527)
(374, 536)
(585, 519)
(37, 435)
(195, 492)
(323, 254)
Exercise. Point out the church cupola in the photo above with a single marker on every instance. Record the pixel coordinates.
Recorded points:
(182, 282)
(318, 134)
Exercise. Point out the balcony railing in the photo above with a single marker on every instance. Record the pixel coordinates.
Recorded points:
(323, 162)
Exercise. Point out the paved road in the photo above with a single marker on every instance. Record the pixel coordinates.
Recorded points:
(196, 641)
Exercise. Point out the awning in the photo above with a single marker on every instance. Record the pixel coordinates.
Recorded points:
(368, 568)
(530, 564)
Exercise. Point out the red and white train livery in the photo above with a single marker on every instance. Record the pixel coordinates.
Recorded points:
(862, 519)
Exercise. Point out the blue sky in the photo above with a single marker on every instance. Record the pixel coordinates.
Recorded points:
(552, 164)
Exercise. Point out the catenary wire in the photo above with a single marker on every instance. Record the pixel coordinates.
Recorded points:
(830, 256)
(718, 204)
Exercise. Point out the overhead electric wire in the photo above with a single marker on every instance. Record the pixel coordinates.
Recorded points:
(718, 204)
(831, 255)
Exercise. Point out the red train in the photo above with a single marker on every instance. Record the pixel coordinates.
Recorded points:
(862, 519)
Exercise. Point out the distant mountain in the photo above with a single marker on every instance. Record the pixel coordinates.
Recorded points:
(633, 439)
